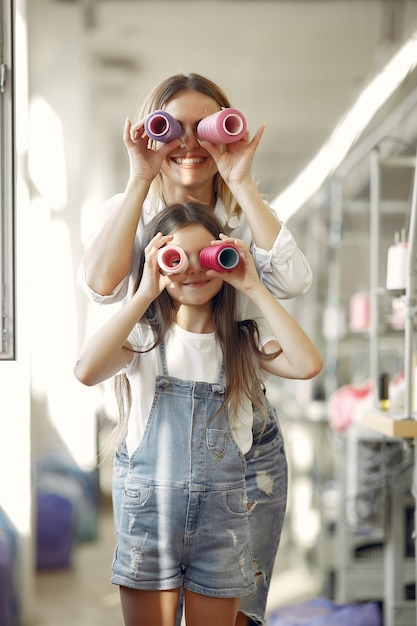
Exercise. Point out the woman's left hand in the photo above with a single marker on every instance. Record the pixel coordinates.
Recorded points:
(234, 160)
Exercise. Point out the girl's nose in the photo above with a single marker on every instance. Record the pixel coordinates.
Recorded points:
(194, 265)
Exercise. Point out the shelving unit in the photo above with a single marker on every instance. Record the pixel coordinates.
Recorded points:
(399, 608)
(376, 563)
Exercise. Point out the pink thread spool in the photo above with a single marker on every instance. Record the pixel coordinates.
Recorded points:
(222, 258)
(226, 126)
(360, 313)
(172, 259)
(161, 126)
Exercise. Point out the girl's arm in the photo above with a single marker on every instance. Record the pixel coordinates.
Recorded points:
(108, 350)
(298, 356)
(108, 258)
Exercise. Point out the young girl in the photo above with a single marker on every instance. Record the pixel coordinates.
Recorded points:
(194, 373)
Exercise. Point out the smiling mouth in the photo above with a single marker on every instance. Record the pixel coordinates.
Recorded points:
(198, 283)
(189, 161)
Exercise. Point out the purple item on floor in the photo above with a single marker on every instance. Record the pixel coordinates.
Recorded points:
(7, 612)
(322, 612)
(55, 531)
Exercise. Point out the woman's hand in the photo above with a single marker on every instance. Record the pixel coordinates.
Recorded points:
(145, 162)
(234, 160)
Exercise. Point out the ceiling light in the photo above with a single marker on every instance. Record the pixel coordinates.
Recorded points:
(347, 131)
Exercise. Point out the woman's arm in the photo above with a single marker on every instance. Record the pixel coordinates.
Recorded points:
(234, 163)
(108, 258)
(281, 265)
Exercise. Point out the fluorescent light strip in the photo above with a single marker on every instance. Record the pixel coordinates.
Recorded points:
(347, 131)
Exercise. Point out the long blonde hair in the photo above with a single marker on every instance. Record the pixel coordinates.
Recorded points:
(238, 339)
(159, 98)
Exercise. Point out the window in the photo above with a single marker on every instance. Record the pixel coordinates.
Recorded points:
(7, 200)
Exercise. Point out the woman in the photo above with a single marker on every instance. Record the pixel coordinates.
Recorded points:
(193, 374)
(220, 177)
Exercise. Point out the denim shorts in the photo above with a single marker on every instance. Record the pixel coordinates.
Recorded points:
(266, 488)
(149, 556)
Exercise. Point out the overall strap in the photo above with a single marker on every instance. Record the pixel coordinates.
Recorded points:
(163, 358)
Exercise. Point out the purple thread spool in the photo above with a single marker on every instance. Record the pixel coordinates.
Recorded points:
(221, 258)
(172, 259)
(226, 126)
(161, 126)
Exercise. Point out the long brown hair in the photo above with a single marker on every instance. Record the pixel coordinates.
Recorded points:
(159, 98)
(238, 339)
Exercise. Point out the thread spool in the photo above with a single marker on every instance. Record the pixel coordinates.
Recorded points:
(172, 259)
(397, 261)
(359, 312)
(222, 258)
(383, 392)
(161, 126)
(226, 126)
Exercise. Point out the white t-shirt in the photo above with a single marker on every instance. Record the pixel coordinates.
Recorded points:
(189, 356)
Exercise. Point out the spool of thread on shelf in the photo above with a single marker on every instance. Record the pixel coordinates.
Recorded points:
(359, 312)
(397, 263)
(383, 392)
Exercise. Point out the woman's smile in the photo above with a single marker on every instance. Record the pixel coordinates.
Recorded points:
(189, 161)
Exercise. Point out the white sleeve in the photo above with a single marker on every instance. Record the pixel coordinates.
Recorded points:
(284, 269)
(117, 295)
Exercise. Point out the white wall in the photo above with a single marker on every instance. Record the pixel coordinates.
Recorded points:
(62, 411)
(43, 407)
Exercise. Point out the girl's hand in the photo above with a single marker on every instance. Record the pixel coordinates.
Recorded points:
(234, 160)
(144, 161)
(153, 282)
(244, 276)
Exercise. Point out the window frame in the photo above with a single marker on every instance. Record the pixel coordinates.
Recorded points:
(7, 187)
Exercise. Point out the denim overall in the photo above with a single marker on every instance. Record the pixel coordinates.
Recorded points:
(183, 520)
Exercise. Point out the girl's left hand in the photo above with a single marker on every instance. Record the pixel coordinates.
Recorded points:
(244, 276)
(234, 160)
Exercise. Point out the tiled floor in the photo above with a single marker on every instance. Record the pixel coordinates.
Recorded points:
(82, 595)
